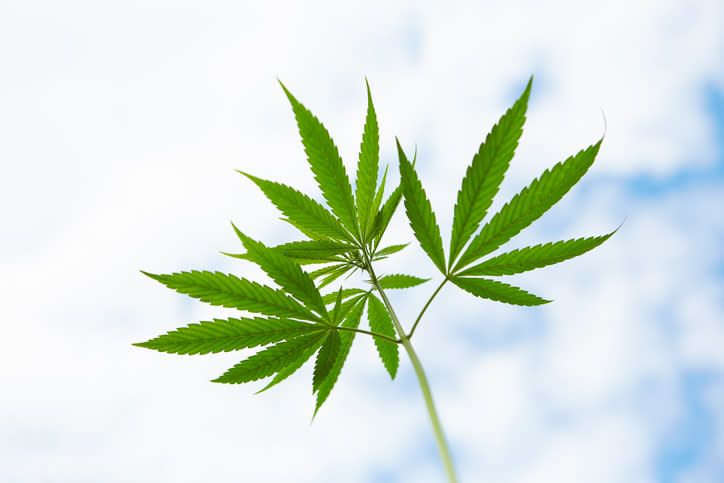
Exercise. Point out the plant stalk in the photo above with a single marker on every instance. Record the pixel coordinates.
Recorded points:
(422, 380)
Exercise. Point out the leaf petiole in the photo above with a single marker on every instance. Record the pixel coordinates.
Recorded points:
(373, 334)
(429, 301)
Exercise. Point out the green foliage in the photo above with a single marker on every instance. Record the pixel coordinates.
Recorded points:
(218, 288)
(384, 216)
(498, 291)
(484, 175)
(369, 157)
(529, 258)
(400, 281)
(326, 164)
(224, 335)
(325, 358)
(285, 272)
(302, 212)
(314, 251)
(390, 250)
(381, 323)
(273, 359)
(419, 212)
(346, 338)
(528, 205)
(343, 237)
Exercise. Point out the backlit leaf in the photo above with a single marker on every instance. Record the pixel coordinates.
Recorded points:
(326, 164)
(529, 204)
(420, 214)
(288, 274)
(498, 291)
(529, 258)
(400, 281)
(485, 173)
(224, 335)
(326, 357)
(290, 369)
(381, 323)
(301, 211)
(368, 167)
(272, 359)
(218, 288)
(346, 338)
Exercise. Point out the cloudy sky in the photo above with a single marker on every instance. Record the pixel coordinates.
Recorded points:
(122, 124)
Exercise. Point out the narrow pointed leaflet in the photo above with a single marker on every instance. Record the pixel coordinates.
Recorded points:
(380, 322)
(228, 335)
(498, 291)
(314, 251)
(530, 258)
(385, 214)
(337, 307)
(320, 272)
(346, 338)
(288, 274)
(485, 173)
(377, 202)
(383, 217)
(326, 164)
(335, 274)
(400, 281)
(346, 293)
(290, 369)
(529, 204)
(367, 168)
(390, 250)
(325, 359)
(302, 211)
(218, 288)
(272, 359)
(419, 212)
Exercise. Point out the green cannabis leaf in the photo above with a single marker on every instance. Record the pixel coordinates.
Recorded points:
(296, 320)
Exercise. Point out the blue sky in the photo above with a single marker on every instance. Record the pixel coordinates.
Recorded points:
(123, 124)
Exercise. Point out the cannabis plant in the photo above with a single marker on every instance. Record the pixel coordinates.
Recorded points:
(299, 319)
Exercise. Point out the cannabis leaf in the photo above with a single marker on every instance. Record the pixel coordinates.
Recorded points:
(296, 320)
(499, 291)
(285, 272)
(486, 172)
(369, 157)
(346, 338)
(400, 281)
(224, 335)
(218, 288)
(390, 250)
(326, 164)
(325, 358)
(528, 205)
(419, 212)
(529, 258)
(381, 323)
(302, 212)
(273, 359)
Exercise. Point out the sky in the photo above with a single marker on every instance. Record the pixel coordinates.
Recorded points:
(123, 124)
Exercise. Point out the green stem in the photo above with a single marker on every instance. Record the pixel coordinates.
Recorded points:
(422, 312)
(373, 334)
(422, 380)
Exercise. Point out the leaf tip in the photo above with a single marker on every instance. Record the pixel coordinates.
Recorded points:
(151, 275)
(400, 152)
